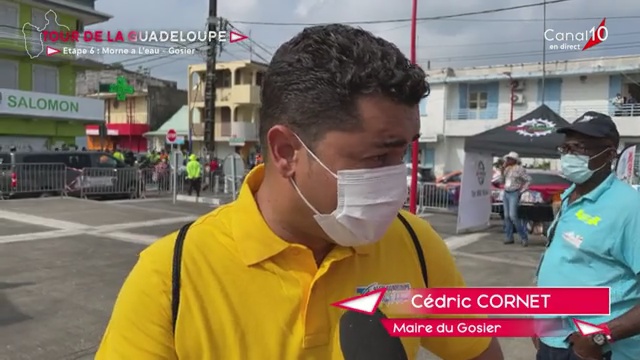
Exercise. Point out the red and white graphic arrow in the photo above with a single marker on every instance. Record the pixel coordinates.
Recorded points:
(52, 51)
(235, 37)
(587, 329)
(366, 304)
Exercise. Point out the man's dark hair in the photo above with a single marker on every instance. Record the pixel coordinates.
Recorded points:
(315, 79)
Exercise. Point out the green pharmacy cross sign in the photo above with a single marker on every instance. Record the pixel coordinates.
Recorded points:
(121, 88)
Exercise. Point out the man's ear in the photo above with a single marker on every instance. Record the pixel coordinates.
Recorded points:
(283, 147)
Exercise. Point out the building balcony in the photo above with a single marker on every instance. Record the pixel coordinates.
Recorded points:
(124, 117)
(235, 95)
(464, 122)
(244, 130)
(626, 117)
(223, 131)
(245, 94)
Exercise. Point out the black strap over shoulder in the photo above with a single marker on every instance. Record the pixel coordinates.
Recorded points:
(177, 264)
(175, 275)
(416, 244)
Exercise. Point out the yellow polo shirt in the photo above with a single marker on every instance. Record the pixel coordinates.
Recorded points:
(247, 294)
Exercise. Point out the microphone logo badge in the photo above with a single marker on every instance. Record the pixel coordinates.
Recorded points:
(396, 293)
(366, 304)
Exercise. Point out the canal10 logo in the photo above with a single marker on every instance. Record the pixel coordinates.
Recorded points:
(579, 40)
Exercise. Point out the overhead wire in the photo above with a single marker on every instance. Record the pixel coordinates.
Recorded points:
(521, 54)
(387, 21)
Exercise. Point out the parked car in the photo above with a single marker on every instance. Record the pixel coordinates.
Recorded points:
(47, 173)
(545, 184)
(425, 174)
(450, 183)
(432, 191)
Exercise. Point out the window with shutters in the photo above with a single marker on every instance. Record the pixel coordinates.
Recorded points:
(45, 79)
(8, 74)
(9, 20)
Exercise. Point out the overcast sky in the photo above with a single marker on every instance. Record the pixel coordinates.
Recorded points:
(500, 38)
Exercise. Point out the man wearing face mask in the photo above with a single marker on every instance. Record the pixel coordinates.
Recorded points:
(594, 242)
(313, 225)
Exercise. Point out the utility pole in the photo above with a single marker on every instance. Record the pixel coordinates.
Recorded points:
(544, 52)
(210, 80)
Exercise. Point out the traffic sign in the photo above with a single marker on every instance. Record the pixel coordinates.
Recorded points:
(172, 136)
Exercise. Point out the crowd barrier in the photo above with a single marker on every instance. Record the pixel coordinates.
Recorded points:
(433, 197)
(33, 180)
(160, 182)
(40, 180)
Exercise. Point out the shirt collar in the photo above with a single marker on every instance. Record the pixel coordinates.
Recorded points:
(255, 240)
(594, 194)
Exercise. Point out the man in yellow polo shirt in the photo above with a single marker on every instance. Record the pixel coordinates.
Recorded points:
(317, 223)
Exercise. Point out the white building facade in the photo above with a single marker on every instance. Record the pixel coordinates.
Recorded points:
(467, 101)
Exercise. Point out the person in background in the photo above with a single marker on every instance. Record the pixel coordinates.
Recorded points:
(162, 174)
(516, 181)
(152, 157)
(118, 154)
(594, 242)
(163, 155)
(130, 158)
(214, 165)
(618, 103)
(194, 175)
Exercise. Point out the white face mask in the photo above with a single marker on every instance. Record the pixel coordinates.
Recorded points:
(368, 202)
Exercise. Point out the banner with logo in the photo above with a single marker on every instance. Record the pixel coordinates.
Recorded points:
(625, 167)
(474, 207)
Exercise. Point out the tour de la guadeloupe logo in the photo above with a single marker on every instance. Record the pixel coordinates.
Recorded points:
(534, 128)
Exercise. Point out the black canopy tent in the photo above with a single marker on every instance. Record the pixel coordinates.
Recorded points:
(532, 135)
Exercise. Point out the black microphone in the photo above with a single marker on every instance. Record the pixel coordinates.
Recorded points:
(364, 337)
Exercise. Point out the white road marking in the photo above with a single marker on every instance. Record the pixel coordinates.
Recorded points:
(45, 235)
(114, 231)
(147, 223)
(496, 259)
(66, 228)
(42, 221)
(199, 200)
(129, 206)
(127, 237)
(456, 242)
